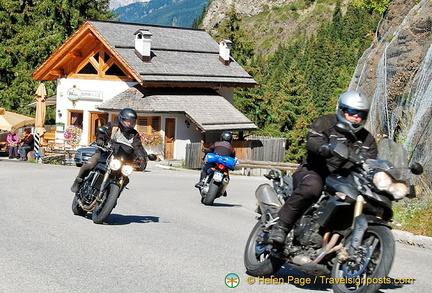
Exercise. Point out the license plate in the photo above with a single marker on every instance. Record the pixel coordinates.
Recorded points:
(217, 176)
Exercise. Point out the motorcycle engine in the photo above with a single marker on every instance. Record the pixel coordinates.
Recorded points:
(306, 233)
(91, 187)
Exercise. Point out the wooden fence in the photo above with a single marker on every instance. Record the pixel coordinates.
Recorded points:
(253, 148)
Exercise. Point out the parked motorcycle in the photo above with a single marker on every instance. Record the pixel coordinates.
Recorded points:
(346, 234)
(101, 188)
(217, 179)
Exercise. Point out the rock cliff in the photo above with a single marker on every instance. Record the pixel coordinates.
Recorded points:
(396, 73)
(218, 9)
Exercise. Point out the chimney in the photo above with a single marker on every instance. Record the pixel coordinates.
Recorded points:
(224, 51)
(143, 44)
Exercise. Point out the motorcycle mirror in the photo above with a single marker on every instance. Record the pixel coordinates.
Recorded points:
(102, 130)
(340, 150)
(152, 157)
(343, 127)
(416, 168)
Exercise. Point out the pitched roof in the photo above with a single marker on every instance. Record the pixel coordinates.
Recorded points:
(180, 56)
(198, 105)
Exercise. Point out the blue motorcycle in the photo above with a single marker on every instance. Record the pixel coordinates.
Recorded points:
(217, 178)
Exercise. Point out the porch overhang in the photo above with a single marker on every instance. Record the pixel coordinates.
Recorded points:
(205, 108)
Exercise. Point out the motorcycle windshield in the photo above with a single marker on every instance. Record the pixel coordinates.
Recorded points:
(124, 154)
(393, 159)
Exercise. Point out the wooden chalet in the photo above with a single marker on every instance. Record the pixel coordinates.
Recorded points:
(180, 81)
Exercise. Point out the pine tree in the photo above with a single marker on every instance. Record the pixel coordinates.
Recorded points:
(303, 79)
(30, 32)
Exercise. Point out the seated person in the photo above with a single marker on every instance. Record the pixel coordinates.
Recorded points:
(26, 145)
(13, 141)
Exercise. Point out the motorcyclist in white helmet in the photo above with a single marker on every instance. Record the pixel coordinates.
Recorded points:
(309, 178)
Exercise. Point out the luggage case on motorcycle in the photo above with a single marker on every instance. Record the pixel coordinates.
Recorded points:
(229, 162)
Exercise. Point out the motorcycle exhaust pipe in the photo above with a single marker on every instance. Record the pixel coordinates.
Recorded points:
(267, 198)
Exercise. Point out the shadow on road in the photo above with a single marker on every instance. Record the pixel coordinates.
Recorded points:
(116, 219)
(226, 205)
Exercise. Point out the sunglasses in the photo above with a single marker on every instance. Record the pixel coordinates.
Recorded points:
(352, 112)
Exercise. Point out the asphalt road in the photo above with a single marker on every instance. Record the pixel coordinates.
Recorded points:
(159, 238)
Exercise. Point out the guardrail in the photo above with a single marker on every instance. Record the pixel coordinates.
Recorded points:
(246, 165)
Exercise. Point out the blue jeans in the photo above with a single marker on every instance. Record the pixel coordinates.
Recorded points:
(13, 152)
(23, 150)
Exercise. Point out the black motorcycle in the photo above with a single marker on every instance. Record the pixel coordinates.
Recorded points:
(346, 234)
(100, 189)
(217, 179)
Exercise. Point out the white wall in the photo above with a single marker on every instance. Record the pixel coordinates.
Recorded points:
(105, 89)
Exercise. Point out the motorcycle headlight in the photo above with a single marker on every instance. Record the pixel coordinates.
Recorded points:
(115, 164)
(127, 170)
(384, 182)
(398, 190)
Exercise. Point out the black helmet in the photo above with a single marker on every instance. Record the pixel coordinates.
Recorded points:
(227, 136)
(353, 102)
(129, 115)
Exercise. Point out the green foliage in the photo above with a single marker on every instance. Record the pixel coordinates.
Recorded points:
(302, 79)
(30, 32)
(408, 212)
(242, 48)
(379, 6)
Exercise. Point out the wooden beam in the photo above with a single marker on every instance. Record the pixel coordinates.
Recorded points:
(74, 54)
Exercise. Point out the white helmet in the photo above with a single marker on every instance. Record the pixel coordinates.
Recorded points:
(353, 102)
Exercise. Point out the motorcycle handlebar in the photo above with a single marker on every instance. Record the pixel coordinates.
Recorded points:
(104, 148)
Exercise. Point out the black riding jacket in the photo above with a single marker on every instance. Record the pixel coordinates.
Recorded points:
(321, 132)
(129, 141)
(223, 148)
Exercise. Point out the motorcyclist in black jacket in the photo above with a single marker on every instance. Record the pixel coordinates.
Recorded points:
(122, 134)
(223, 148)
(309, 178)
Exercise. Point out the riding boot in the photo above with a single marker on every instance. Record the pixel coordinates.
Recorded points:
(75, 186)
(279, 232)
(200, 184)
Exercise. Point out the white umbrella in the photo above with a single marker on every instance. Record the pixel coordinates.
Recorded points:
(10, 120)
(40, 97)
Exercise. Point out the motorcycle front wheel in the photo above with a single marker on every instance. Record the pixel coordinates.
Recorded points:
(76, 208)
(103, 209)
(211, 194)
(257, 258)
(371, 263)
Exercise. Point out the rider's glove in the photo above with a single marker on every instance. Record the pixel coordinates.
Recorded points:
(100, 142)
(325, 151)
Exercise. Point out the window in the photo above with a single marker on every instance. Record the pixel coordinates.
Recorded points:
(76, 118)
(149, 124)
(101, 64)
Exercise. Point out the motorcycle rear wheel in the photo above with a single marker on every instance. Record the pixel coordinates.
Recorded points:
(211, 194)
(257, 258)
(103, 209)
(376, 254)
(76, 209)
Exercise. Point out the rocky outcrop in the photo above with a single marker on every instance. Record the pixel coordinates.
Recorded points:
(219, 9)
(402, 38)
(396, 73)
